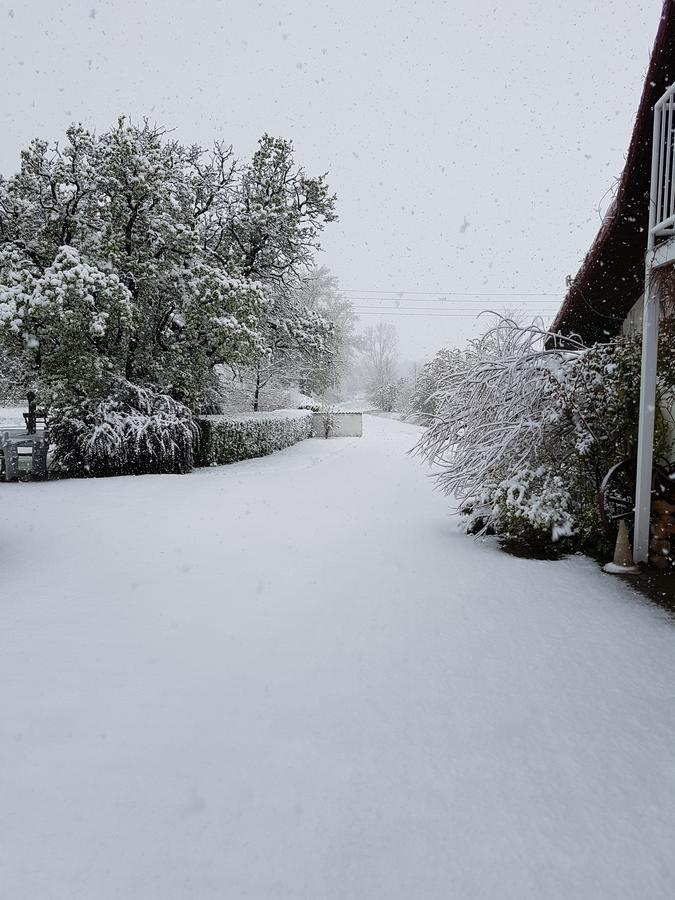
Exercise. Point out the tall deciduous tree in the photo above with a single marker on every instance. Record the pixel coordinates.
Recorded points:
(380, 357)
(158, 261)
(320, 292)
(271, 229)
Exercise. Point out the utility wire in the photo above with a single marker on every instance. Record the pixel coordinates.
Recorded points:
(414, 301)
(438, 315)
(458, 312)
(461, 308)
(559, 294)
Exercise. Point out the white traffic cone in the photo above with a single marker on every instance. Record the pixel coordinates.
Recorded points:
(622, 564)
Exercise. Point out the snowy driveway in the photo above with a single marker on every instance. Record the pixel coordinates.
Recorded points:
(293, 678)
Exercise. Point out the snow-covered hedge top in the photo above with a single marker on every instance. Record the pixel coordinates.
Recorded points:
(271, 415)
(231, 438)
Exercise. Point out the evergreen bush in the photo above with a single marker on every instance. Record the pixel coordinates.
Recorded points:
(226, 439)
(132, 431)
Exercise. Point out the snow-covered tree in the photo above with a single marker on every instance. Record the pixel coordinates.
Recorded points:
(320, 292)
(424, 399)
(14, 378)
(134, 206)
(193, 236)
(271, 230)
(295, 339)
(274, 215)
(145, 262)
(72, 320)
(522, 435)
(380, 362)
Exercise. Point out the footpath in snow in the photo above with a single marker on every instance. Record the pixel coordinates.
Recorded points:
(294, 678)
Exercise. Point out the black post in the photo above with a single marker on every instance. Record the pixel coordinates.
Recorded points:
(31, 418)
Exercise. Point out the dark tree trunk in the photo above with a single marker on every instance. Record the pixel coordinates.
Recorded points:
(256, 395)
(129, 367)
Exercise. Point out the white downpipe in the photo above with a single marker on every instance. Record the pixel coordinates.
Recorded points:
(645, 454)
(650, 343)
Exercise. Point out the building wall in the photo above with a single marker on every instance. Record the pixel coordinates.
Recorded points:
(347, 424)
(632, 325)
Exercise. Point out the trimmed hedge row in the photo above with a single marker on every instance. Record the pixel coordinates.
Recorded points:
(226, 439)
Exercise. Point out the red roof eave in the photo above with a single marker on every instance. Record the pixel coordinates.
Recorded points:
(611, 276)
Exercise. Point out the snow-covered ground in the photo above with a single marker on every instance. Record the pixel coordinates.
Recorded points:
(12, 416)
(293, 677)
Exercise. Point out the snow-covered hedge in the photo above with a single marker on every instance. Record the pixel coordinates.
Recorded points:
(230, 438)
(133, 431)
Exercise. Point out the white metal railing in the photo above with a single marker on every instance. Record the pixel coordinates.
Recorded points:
(662, 205)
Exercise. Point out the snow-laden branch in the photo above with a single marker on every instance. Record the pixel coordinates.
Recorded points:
(517, 428)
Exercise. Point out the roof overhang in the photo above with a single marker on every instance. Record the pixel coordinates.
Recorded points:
(611, 276)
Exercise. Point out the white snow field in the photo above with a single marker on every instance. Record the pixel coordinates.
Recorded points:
(295, 678)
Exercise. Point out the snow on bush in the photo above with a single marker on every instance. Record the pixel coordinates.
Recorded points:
(133, 431)
(522, 435)
(226, 439)
(538, 499)
(423, 402)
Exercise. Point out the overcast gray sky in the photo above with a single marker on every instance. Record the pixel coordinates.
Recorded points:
(470, 144)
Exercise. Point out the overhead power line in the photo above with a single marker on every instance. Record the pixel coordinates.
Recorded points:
(396, 293)
(371, 311)
(453, 301)
(463, 307)
(434, 315)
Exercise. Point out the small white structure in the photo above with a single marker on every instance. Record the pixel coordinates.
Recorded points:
(660, 252)
(345, 424)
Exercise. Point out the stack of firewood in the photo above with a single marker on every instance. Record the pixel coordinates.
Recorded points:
(662, 545)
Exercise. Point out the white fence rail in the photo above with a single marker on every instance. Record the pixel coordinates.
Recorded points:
(662, 206)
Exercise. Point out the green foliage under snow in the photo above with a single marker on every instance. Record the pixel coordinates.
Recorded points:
(227, 439)
(522, 435)
(131, 432)
(126, 257)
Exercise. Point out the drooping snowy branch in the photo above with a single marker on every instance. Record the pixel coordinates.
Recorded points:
(521, 431)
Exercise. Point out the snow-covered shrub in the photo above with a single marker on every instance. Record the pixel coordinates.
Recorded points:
(385, 395)
(423, 400)
(226, 439)
(522, 435)
(132, 431)
(538, 499)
